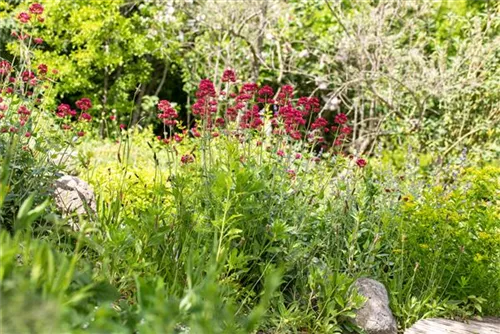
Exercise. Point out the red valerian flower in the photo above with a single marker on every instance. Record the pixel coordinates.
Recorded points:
(249, 88)
(80, 133)
(123, 126)
(84, 104)
(205, 88)
(38, 40)
(280, 153)
(346, 130)
(168, 113)
(229, 76)
(298, 156)
(187, 158)
(63, 110)
(36, 9)
(5, 67)
(27, 134)
(320, 122)
(266, 91)
(42, 69)
(23, 111)
(177, 138)
(361, 162)
(85, 116)
(341, 118)
(24, 17)
(112, 117)
(291, 173)
(27, 76)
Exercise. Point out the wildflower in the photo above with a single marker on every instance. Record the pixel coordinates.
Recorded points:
(66, 127)
(291, 173)
(85, 116)
(38, 40)
(3, 107)
(168, 113)
(266, 91)
(320, 122)
(42, 69)
(249, 88)
(346, 130)
(27, 134)
(177, 138)
(298, 156)
(112, 117)
(205, 89)
(36, 9)
(187, 158)
(24, 17)
(13, 129)
(5, 67)
(9, 90)
(84, 104)
(361, 162)
(280, 153)
(80, 133)
(215, 134)
(123, 126)
(228, 76)
(341, 118)
(22, 110)
(27, 76)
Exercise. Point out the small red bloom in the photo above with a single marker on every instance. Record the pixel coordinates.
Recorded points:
(346, 130)
(266, 91)
(298, 156)
(84, 104)
(24, 17)
(228, 76)
(85, 116)
(38, 40)
(36, 9)
(280, 153)
(5, 67)
(341, 118)
(187, 158)
(361, 162)
(42, 69)
(27, 134)
(80, 133)
(112, 117)
(123, 126)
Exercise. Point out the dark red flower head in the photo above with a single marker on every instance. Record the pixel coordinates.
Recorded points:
(38, 40)
(341, 118)
(266, 91)
(229, 76)
(24, 17)
(5, 67)
(36, 9)
(42, 69)
(361, 162)
(84, 104)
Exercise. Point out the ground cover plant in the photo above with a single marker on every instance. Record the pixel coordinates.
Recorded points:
(252, 209)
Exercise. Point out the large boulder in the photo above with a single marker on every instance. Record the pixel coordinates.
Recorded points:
(74, 196)
(375, 316)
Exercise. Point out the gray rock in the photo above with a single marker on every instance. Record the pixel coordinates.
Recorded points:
(375, 316)
(74, 196)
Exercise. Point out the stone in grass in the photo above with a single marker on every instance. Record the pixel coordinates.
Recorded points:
(375, 316)
(74, 196)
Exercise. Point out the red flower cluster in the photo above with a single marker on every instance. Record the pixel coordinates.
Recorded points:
(24, 17)
(361, 162)
(36, 9)
(84, 104)
(168, 114)
(229, 76)
(187, 158)
(5, 67)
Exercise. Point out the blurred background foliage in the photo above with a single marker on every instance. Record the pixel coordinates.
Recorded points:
(418, 71)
